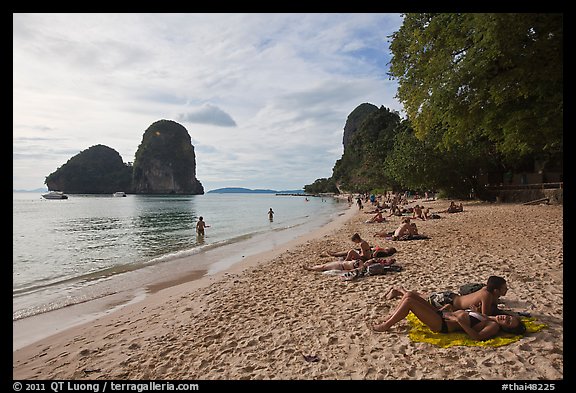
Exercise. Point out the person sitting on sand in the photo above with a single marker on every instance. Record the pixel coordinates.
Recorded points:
(418, 213)
(365, 252)
(377, 218)
(486, 299)
(478, 326)
(426, 213)
(453, 208)
(395, 209)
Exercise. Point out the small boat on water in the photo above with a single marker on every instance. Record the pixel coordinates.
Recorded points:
(55, 195)
(119, 194)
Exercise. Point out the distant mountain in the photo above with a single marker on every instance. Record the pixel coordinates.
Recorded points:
(240, 190)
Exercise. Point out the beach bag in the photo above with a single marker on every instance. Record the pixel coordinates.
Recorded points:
(379, 269)
(470, 288)
(383, 266)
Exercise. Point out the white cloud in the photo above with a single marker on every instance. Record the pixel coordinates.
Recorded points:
(208, 114)
(264, 96)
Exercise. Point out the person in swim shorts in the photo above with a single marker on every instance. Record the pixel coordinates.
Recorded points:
(485, 299)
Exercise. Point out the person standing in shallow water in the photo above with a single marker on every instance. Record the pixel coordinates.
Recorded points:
(271, 214)
(200, 225)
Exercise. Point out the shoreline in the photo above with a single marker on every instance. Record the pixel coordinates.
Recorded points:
(30, 330)
(257, 319)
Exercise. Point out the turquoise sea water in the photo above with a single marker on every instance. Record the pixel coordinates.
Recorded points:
(67, 252)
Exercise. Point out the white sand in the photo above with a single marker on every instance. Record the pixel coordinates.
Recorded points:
(258, 319)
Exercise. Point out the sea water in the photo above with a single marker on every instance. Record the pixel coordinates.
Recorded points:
(86, 247)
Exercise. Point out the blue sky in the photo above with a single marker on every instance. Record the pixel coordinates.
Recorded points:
(264, 97)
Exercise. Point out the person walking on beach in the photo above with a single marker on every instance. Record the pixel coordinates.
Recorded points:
(200, 225)
(271, 214)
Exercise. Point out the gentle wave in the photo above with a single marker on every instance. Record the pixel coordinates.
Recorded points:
(91, 244)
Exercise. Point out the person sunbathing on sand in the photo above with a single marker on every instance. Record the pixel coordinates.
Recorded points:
(395, 210)
(478, 326)
(405, 228)
(377, 218)
(336, 265)
(356, 265)
(453, 208)
(417, 212)
(486, 299)
(426, 213)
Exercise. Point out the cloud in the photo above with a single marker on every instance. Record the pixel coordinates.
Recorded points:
(208, 114)
(285, 82)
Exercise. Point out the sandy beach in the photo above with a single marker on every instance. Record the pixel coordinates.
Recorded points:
(261, 318)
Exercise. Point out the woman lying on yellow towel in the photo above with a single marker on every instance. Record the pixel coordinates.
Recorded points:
(477, 326)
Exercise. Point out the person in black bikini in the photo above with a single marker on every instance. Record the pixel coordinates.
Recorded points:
(486, 298)
(477, 326)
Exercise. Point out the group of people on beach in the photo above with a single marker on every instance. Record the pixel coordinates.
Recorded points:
(476, 313)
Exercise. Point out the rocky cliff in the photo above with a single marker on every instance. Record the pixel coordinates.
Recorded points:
(96, 170)
(165, 162)
(355, 118)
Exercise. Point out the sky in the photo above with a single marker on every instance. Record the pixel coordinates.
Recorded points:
(264, 97)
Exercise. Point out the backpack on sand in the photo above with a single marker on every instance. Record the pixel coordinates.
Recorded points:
(469, 288)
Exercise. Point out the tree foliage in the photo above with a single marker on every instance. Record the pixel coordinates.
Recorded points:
(421, 165)
(322, 186)
(496, 76)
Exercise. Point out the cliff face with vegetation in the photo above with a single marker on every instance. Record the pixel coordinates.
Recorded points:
(355, 118)
(475, 112)
(165, 162)
(96, 170)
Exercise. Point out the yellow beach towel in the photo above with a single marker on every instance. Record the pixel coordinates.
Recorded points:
(421, 333)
